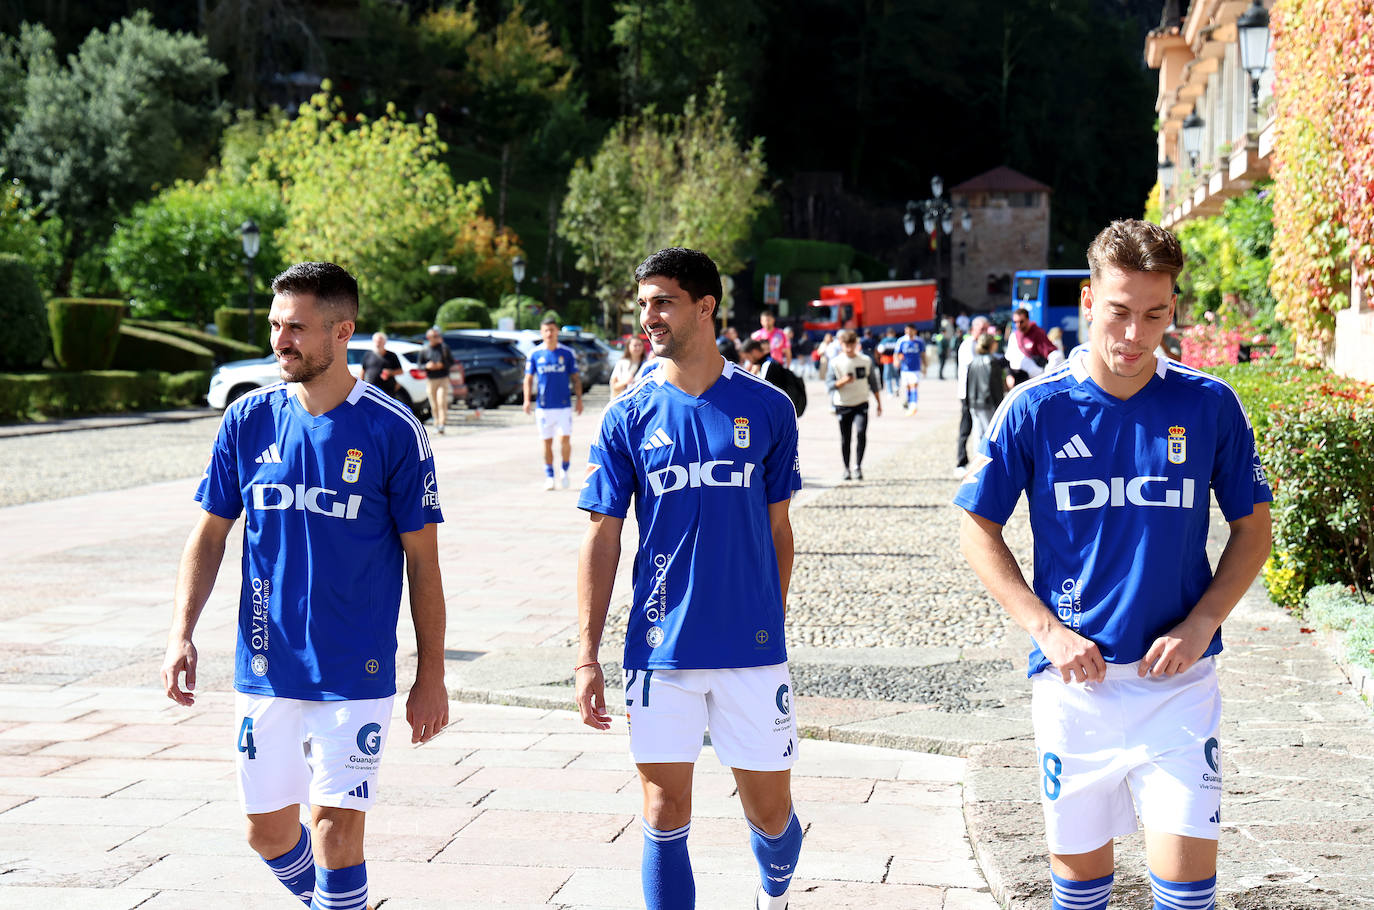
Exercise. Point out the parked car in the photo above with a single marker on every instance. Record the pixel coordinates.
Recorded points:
(234, 380)
(594, 359)
(494, 368)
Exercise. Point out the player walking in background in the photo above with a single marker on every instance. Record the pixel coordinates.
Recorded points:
(337, 482)
(553, 368)
(909, 355)
(1117, 450)
(708, 455)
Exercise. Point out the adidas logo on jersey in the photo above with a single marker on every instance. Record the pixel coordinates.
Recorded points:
(270, 455)
(658, 440)
(1074, 449)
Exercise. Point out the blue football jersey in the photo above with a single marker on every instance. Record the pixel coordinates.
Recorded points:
(910, 350)
(1118, 493)
(326, 499)
(553, 372)
(702, 473)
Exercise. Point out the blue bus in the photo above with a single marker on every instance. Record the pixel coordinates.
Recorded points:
(1051, 296)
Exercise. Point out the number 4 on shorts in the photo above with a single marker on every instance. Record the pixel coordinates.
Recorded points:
(246, 738)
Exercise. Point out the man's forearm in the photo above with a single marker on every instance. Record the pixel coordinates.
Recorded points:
(596, 567)
(200, 562)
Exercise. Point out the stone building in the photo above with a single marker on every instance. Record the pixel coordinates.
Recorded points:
(1010, 230)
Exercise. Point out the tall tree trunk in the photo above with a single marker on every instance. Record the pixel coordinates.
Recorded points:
(501, 187)
(63, 286)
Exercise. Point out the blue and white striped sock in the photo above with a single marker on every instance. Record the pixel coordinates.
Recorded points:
(296, 868)
(666, 870)
(1184, 895)
(777, 856)
(1089, 895)
(340, 889)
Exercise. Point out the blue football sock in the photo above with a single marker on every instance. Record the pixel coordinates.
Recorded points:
(296, 868)
(777, 856)
(1089, 895)
(565, 466)
(666, 870)
(1184, 895)
(548, 470)
(340, 889)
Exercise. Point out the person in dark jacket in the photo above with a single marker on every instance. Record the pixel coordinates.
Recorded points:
(987, 383)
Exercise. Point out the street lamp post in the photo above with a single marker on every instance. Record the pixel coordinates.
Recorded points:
(252, 239)
(442, 269)
(517, 271)
(1166, 179)
(1253, 30)
(937, 211)
(1192, 137)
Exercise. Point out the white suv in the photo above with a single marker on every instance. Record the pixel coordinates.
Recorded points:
(234, 380)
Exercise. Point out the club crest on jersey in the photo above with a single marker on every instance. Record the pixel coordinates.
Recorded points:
(1178, 449)
(352, 465)
(742, 432)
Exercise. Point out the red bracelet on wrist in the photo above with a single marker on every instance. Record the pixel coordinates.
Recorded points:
(595, 663)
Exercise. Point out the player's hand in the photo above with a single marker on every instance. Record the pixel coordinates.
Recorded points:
(578, 407)
(427, 708)
(181, 658)
(1176, 650)
(591, 697)
(1075, 657)
(529, 408)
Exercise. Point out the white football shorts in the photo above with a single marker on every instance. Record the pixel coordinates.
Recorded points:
(1126, 746)
(910, 377)
(748, 711)
(323, 753)
(553, 421)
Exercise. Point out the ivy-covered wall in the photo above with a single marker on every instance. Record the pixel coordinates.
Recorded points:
(1323, 163)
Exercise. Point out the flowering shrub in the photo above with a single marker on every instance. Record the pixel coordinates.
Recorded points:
(1206, 345)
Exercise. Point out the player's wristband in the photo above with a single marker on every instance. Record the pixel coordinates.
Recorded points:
(595, 663)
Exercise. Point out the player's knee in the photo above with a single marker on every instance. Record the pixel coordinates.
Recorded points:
(338, 840)
(667, 811)
(271, 840)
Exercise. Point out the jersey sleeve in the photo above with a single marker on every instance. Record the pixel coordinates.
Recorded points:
(219, 492)
(529, 365)
(610, 479)
(412, 491)
(1238, 478)
(999, 473)
(782, 464)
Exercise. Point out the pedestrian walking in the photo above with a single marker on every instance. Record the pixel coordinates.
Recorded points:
(627, 368)
(851, 378)
(438, 360)
(987, 384)
(910, 357)
(779, 348)
(707, 454)
(336, 483)
(380, 366)
(961, 364)
(887, 349)
(553, 391)
(1118, 451)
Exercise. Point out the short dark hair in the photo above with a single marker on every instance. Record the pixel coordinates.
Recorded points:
(331, 285)
(1020, 311)
(1132, 245)
(549, 319)
(692, 269)
(752, 345)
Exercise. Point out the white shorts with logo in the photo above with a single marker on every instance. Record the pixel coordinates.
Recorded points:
(553, 421)
(910, 377)
(323, 753)
(1126, 746)
(748, 711)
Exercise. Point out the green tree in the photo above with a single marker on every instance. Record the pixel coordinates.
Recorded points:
(663, 180)
(180, 254)
(1228, 261)
(128, 111)
(374, 196)
(27, 233)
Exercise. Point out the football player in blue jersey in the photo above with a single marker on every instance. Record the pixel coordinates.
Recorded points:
(707, 454)
(909, 354)
(553, 369)
(335, 480)
(1117, 451)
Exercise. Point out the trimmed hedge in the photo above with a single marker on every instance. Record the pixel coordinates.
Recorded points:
(85, 333)
(404, 328)
(463, 309)
(1315, 434)
(1338, 608)
(224, 349)
(36, 396)
(24, 339)
(146, 349)
(233, 323)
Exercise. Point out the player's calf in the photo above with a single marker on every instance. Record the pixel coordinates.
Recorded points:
(666, 869)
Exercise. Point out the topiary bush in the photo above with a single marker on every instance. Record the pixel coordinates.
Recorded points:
(463, 309)
(36, 396)
(233, 322)
(24, 341)
(224, 349)
(85, 333)
(145, 349)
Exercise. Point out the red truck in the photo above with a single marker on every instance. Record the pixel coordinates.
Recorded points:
(876, 305)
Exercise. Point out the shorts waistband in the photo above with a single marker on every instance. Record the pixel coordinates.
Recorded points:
(1131, 670)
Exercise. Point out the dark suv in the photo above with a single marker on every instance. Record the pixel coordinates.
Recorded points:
(593, 360)
(494, 368)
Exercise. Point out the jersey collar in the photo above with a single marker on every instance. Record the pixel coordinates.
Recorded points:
(1078, 363)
